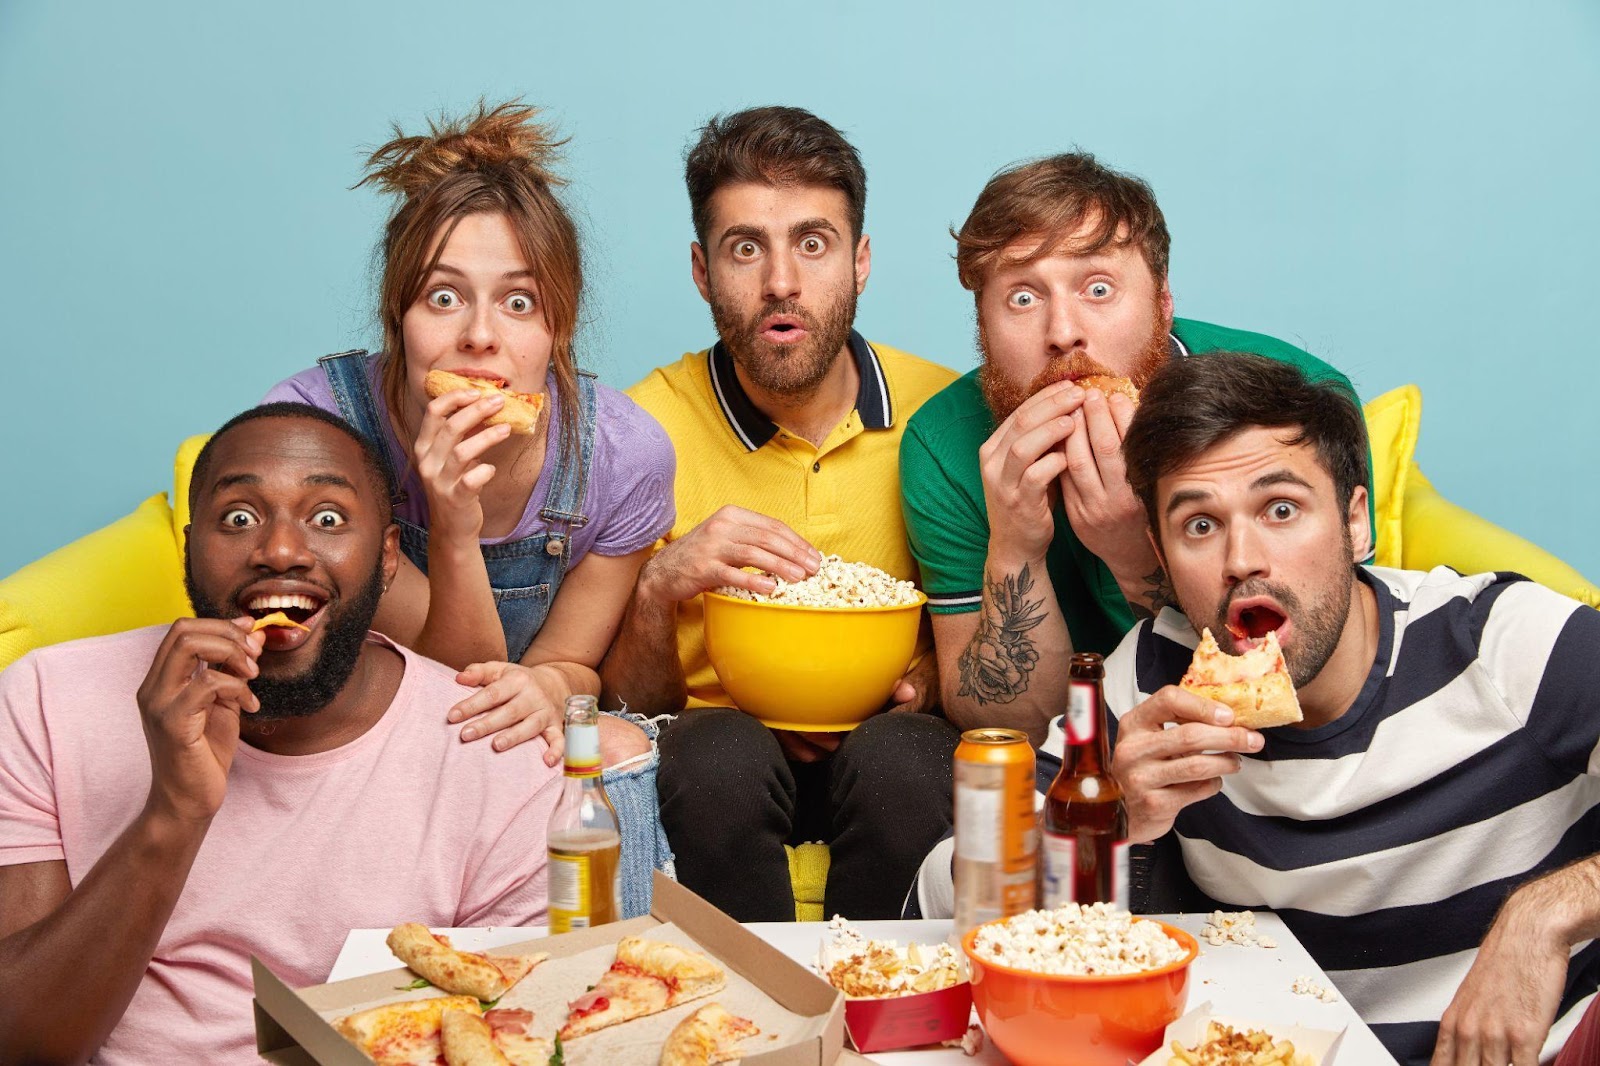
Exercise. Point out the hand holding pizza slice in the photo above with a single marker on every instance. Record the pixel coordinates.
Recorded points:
(1255, 684)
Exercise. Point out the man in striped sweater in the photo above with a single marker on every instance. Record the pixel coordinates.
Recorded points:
(1428, 831)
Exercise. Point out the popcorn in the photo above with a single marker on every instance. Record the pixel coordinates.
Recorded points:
(835, 584)
(1305, 986)
(860, 967)
(1234, 927)
(1096, 939)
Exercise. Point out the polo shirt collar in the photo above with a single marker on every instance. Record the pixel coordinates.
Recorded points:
(1177, 348)
(754, 429)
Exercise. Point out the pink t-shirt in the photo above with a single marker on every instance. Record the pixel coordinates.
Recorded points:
(405, 823)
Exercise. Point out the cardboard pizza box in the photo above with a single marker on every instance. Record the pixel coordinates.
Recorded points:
(291, 1029)
(1321, 1044)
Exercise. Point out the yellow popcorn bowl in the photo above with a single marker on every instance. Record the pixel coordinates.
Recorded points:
(813, 669)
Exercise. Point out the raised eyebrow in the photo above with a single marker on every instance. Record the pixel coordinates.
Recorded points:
(457, 272)
(228, 481)
(335, 480)
(1186, 496)
(755, 233)
(1280, 477)
(810, 224)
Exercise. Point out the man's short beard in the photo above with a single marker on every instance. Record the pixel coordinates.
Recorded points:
(1317, 627)
(1005, 395)
(344, 631)
(792, 372)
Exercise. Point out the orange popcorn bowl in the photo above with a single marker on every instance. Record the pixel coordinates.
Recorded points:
(813, 669)
(1040, 1019)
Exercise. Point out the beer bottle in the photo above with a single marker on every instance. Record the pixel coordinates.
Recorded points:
(1085, 819)
(585, 839)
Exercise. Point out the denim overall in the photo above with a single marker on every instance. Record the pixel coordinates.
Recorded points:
(524, 576)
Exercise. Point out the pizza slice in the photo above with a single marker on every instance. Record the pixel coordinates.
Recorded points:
(708, 1035)
(469, 973)
(498, 1038)
(521, 410)
(403, 1034)
(648, 976)
(1255, 684)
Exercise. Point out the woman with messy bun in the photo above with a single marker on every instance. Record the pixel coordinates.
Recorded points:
(520, 548)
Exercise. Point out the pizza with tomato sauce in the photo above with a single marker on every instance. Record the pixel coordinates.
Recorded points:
(648, 976)
(708, 1035)
(1255, 684)
(521, 410)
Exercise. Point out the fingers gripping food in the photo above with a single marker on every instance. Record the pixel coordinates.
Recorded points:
(521, 411)
(276, 618)
(1108, 385)
(648, 976)
(1256, 684)
(708, 1035)
(486, 977)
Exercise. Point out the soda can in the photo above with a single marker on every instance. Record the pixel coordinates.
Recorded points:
(997, 831)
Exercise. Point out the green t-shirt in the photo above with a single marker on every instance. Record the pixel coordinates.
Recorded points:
(941, 490)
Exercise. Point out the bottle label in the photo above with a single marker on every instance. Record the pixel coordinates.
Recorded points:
(1060, 873)
(583, 751)
(1081, 712)
(978, 830)
(569, 892)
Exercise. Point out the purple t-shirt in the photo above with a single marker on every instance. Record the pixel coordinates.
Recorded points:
(628, 497)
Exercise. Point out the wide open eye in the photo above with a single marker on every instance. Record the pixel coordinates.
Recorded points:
(1099, 290)
(238, 518)
(1199, 526)
(520, 303)
(1282, 510)
(746, 250)
(1022, 300)
(443, 299)
(813, 245)
(328, 518)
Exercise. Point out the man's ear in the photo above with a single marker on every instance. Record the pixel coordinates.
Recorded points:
(391, 554)
(1360, 523)
(863, 262)
(1166, 304)
(698, 268)
(1155, 544)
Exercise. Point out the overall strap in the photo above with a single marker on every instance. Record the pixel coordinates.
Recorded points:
(352, 390)
(563, 510)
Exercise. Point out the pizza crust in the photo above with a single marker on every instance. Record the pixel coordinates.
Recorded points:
(485, 977)
(521, 410)
(648, 976)
(708, 1035)
(1255, 685)
(398, 1034)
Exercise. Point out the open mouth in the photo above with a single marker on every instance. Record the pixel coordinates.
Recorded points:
(783, 329)
(304, 609)
(1251, 620)
(482, 375)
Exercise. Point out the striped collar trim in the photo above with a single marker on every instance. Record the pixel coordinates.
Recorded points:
(1177, 348)
(754, 428)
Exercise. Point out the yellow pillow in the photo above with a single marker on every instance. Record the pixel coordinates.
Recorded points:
(1393, 422)
(1417, 529)
(182, 469)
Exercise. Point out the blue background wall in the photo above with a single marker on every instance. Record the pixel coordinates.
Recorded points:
(1409, 191)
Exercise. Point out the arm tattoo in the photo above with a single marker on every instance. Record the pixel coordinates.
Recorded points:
(994, 667)
(1158, 593)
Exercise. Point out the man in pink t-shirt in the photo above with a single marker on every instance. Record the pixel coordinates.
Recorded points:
(176, 799)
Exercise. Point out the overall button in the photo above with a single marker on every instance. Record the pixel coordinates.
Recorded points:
(816, 468)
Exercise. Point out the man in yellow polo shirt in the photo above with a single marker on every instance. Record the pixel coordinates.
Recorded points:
(788, 434)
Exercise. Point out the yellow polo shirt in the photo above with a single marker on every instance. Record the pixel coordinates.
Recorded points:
(843, 497)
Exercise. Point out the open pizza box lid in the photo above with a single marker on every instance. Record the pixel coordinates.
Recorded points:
(1321, 1044)
(291, 1027)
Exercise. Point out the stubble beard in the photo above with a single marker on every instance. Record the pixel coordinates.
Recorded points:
(344, 632)
(797, 371)
(1004, 395)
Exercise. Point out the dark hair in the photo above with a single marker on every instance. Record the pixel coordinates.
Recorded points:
(1050, 198)
(1193, 404)
(372, 462)
(772, 146)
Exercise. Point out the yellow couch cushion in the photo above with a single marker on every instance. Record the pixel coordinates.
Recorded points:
(1418, 529)
(182, 468)
(124, 576)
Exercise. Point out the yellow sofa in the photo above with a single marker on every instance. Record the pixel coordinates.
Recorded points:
(130, 573)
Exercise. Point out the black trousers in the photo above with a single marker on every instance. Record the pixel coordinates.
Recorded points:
(730, 801)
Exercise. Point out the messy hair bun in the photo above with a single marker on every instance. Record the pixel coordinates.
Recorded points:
(489, 161)
(507, 135)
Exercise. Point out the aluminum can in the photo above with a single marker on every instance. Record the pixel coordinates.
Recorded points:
(997, 830)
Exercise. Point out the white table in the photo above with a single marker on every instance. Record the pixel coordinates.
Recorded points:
(1247, 982)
